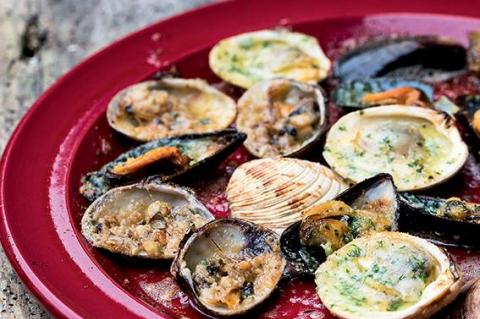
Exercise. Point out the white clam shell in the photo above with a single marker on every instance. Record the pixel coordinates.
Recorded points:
(275, 192)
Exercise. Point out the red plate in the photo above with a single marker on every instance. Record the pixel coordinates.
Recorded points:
(61, 138)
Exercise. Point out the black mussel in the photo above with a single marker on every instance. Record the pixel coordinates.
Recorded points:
(229, 266)
(450, 221)
(362, 93)
(367, 207)
(426, 58)
(163, 159)
(146, 220)
(471, 105)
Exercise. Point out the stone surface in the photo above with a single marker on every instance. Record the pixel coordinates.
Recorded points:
(40, 41)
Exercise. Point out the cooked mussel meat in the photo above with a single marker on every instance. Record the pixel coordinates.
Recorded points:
(145, 220)
(163, 159)
(388, 275)
(170, 107)
(361, 93)
(449, 221)
(426, 58)
(369, 206)
(281, 117)
(229, 266)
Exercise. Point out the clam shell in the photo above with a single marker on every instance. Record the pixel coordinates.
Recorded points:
(234, 242)
(169, 107)
(128, 220)
(393, 253)
(275, 192)
(419, 147)
(281, 117)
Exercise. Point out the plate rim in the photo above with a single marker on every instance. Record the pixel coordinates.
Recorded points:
(51, 301)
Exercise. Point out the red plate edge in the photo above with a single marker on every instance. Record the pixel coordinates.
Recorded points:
(253, 15)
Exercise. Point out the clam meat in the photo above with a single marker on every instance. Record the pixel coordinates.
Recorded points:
(229, 266)
(146, 220)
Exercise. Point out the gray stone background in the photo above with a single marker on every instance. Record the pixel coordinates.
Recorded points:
(41, 40)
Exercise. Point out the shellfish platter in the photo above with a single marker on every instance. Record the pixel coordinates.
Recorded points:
(325, 169)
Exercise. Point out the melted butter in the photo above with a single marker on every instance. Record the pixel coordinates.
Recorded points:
(411, 149)
(379, 276)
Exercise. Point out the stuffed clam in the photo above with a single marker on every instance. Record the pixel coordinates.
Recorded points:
(387, 275)
(419, 147)
(229, 266)
(163, 159)
(170, 107)
(275, 192)
(369, 206)
(248, 58)
(281, 117)
(146, 220)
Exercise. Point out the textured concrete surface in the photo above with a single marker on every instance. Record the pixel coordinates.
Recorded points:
(39, 41)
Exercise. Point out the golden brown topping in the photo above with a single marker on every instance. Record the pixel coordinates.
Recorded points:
(330, 208)
(401, 95)
(474, 51)
(169, 153)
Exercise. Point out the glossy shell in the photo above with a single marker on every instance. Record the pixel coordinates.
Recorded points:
(229, 266)
(275, 192)
(281, 117)
(170, 107)
(248, 58)
(419, 147)
(426, 58)
(200, 150)
(430, 278)
(145, 220)
(449, 222)
(377, 195)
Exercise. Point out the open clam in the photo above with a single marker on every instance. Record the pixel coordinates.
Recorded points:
(387, 275)
(281, 117)
(419, 147)
(426, 58)
(163, 159)
(170, 107)
(369, 206)
(145, 220)
(229, 266)
(447, 221)
(275, 192)
(248, 58)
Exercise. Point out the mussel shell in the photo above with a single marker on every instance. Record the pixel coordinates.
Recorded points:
(274, 192)
(231, 238)
(417, 217)
(126, 199)
(257, 111)
(189, 106)
(303, 261)
(350, 93)
(426, 58)
(223, 143)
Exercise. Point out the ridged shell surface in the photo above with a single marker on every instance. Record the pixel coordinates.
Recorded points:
(275, 192)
